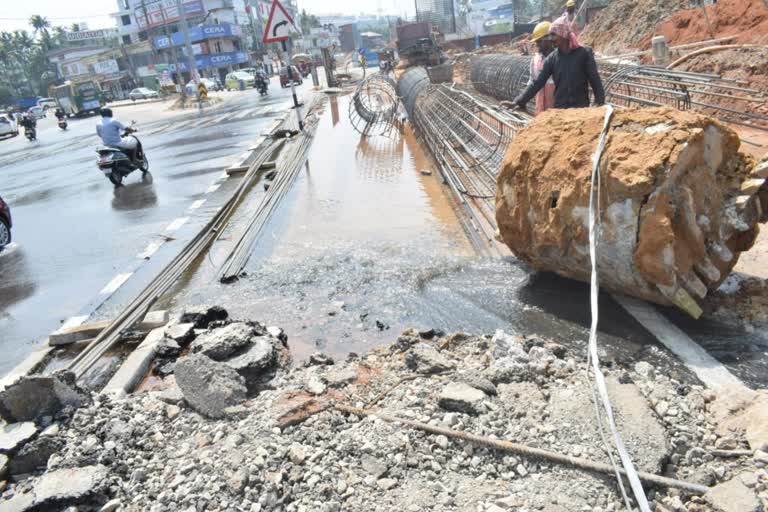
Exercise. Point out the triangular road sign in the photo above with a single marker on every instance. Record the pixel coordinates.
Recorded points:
(279, 25)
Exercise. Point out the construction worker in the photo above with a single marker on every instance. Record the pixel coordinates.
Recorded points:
(573, 68)
(545, 98)
(570, 14)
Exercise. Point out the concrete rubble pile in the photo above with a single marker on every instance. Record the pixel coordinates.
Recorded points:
(286, 448)
(678, 201)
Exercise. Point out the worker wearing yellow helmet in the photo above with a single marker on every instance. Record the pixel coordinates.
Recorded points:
(570, 13)
(545, 98)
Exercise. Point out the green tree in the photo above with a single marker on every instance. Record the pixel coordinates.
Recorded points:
(308, 22)
(39, 23)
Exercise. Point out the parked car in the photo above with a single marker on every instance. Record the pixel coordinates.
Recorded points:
(233, 79)
(142, 93)
(47, 103)
(250, 71)
(5, 224)
(294, 74)
(8, 126)
(38, 112)
(212, 84)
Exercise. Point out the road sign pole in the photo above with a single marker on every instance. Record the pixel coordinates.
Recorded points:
(293, 87)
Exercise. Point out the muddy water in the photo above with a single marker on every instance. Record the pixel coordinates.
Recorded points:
(366, 245)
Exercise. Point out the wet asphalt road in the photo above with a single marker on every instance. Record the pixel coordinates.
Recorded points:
(74, 235)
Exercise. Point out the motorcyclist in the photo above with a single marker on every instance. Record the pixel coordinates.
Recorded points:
(110, 131)
(261, 79)
(28, 121)
(59, 113)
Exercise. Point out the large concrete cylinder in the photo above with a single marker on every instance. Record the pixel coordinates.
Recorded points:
(679, 202)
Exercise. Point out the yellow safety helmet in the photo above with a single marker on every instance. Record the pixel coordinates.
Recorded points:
(540, 30)
(570, 3)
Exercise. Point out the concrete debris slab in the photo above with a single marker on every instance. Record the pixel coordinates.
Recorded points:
(425, 359)
(461, 397)
(168, 347)
(57, 488)
(225, 342)
(183, 334)
(209, 386)
(66, 336)
(33, 397)
(479, 382)
(153, 320)
(202, 316)
(259, 356)
(14, 435)
(34, 455)
(733, 496)
(3, 467)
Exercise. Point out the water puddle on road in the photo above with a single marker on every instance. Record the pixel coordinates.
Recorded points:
(365, 245)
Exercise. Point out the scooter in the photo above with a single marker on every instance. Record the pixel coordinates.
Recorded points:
(62, 123)
(117, 163)
(261, 85)
(30, 133)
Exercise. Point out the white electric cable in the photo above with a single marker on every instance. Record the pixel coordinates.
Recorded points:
(600, 384)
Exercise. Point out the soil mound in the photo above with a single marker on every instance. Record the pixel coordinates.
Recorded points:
(747, 19)
(624, 24)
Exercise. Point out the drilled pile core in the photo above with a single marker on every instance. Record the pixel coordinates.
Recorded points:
(679, 202)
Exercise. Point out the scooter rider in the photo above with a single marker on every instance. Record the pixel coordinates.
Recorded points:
(110, 131)
(59, 113)
(28, 121)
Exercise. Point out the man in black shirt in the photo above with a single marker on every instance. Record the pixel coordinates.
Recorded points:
(573, 69)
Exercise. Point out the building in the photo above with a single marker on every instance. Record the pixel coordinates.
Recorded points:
(317, 39)
(349, 37)
(220, 32)
(98, 56)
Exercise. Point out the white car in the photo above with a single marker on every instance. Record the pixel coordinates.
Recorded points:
(38, 112)
(46, 103)
(210, 84)
(142, 93)
(8, 126)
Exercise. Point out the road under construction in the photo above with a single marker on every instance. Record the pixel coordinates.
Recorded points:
(434, 204)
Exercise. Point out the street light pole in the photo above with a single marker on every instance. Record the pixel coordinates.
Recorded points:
(187, 43)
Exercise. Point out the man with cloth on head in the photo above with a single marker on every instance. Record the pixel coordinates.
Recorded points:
(573, 69)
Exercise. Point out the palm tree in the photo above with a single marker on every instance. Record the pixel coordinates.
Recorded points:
(39, 23)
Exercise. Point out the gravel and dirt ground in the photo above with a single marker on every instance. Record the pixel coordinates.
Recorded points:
(278, 442)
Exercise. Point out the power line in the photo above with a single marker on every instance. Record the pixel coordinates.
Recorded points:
(61, 17)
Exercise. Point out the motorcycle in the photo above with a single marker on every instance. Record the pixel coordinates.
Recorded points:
(117, 163)
(262, 87)
(30, 133)
(62, 123)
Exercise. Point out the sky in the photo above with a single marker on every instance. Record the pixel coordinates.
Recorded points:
(15, 14)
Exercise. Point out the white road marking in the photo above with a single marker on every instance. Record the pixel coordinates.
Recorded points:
(197, 204)
(213, 188)
(115, 283)
(176, 224)
(223, 176)
(708, 369)
(151, 249)
(72, 322)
